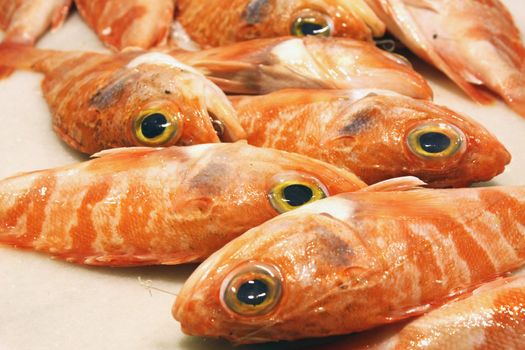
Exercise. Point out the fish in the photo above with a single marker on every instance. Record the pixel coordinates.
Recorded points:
(355, 261)
(266, 65)
(24, 21)
(492, 317)
(144, 205)
(134, 98)
(474, 42)
(124, 24)
(214, 23)
(375, 134)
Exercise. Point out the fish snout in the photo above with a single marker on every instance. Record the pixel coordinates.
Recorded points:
(223, 116)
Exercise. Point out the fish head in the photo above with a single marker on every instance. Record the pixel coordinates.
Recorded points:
(271, 18)
(390, 135)
(157, 101)
(290, 278)
(238, 186)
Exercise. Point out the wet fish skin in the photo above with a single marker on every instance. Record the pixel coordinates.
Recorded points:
(145, 206)
(367, 131)
(359, 260)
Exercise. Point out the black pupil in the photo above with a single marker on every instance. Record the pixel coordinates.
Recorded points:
(154, 125)
(434, 142)
(253, 292)
(297, 195)
(309, 28)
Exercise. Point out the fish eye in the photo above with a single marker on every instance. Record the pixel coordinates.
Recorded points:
(252, 289)
(289, 194)
(435, 140)
(312, 24)
(156, 128)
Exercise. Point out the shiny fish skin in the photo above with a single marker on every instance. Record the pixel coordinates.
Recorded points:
(24, 21)
(474, 42)
(94, 98)
(366, 132)
(143, 206)
(492, 318)
(213, 23)
(121, 24)
(359, 260)
(266, 65)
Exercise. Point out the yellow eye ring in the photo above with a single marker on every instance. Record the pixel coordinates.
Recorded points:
(156, 127)
(251, 289)
(292, 194)
(436, 140)
(312, 24)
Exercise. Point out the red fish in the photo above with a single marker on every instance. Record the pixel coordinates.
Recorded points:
(143, 206)
(474, 42)
(100, 101)
(375, 134)
(355, 261)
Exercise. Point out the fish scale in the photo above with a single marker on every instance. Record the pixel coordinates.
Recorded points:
(143, 206)
(407, 253)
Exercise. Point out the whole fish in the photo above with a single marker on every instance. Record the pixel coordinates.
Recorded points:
(142, 206)
(217, 23)
(266, 65)
(376, 134)
(100, 101)
(121, 24)
(491, 318)
(24, 21)
(355, 261)
(474, 42)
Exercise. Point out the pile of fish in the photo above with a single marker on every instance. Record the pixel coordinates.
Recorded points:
(276, 142)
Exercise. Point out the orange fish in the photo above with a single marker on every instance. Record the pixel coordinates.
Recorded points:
(121, 24)
(491, 318)
(265, 65)
(474, 42)
(100, 101)
(376, 134)
(24, 21)
(355, 261)
(217, 23)
(142, 206)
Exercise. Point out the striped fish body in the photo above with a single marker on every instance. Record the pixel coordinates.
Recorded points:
(122, 24)
(356, 261)
(491, 318)
(98, 101)
(143, 206)
(266, 65)
(367, 131)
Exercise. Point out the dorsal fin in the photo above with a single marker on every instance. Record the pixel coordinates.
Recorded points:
(405, 183)
(125, 151)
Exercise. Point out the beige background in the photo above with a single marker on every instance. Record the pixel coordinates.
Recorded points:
(47, 304)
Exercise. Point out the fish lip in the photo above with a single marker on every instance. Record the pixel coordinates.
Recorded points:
(222, 114)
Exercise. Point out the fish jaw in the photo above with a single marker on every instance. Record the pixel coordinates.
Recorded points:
(201, 311)
(138, 23)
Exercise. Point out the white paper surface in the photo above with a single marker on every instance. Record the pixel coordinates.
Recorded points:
(49, 304)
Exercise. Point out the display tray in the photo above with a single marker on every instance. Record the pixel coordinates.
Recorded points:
(50, 304)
